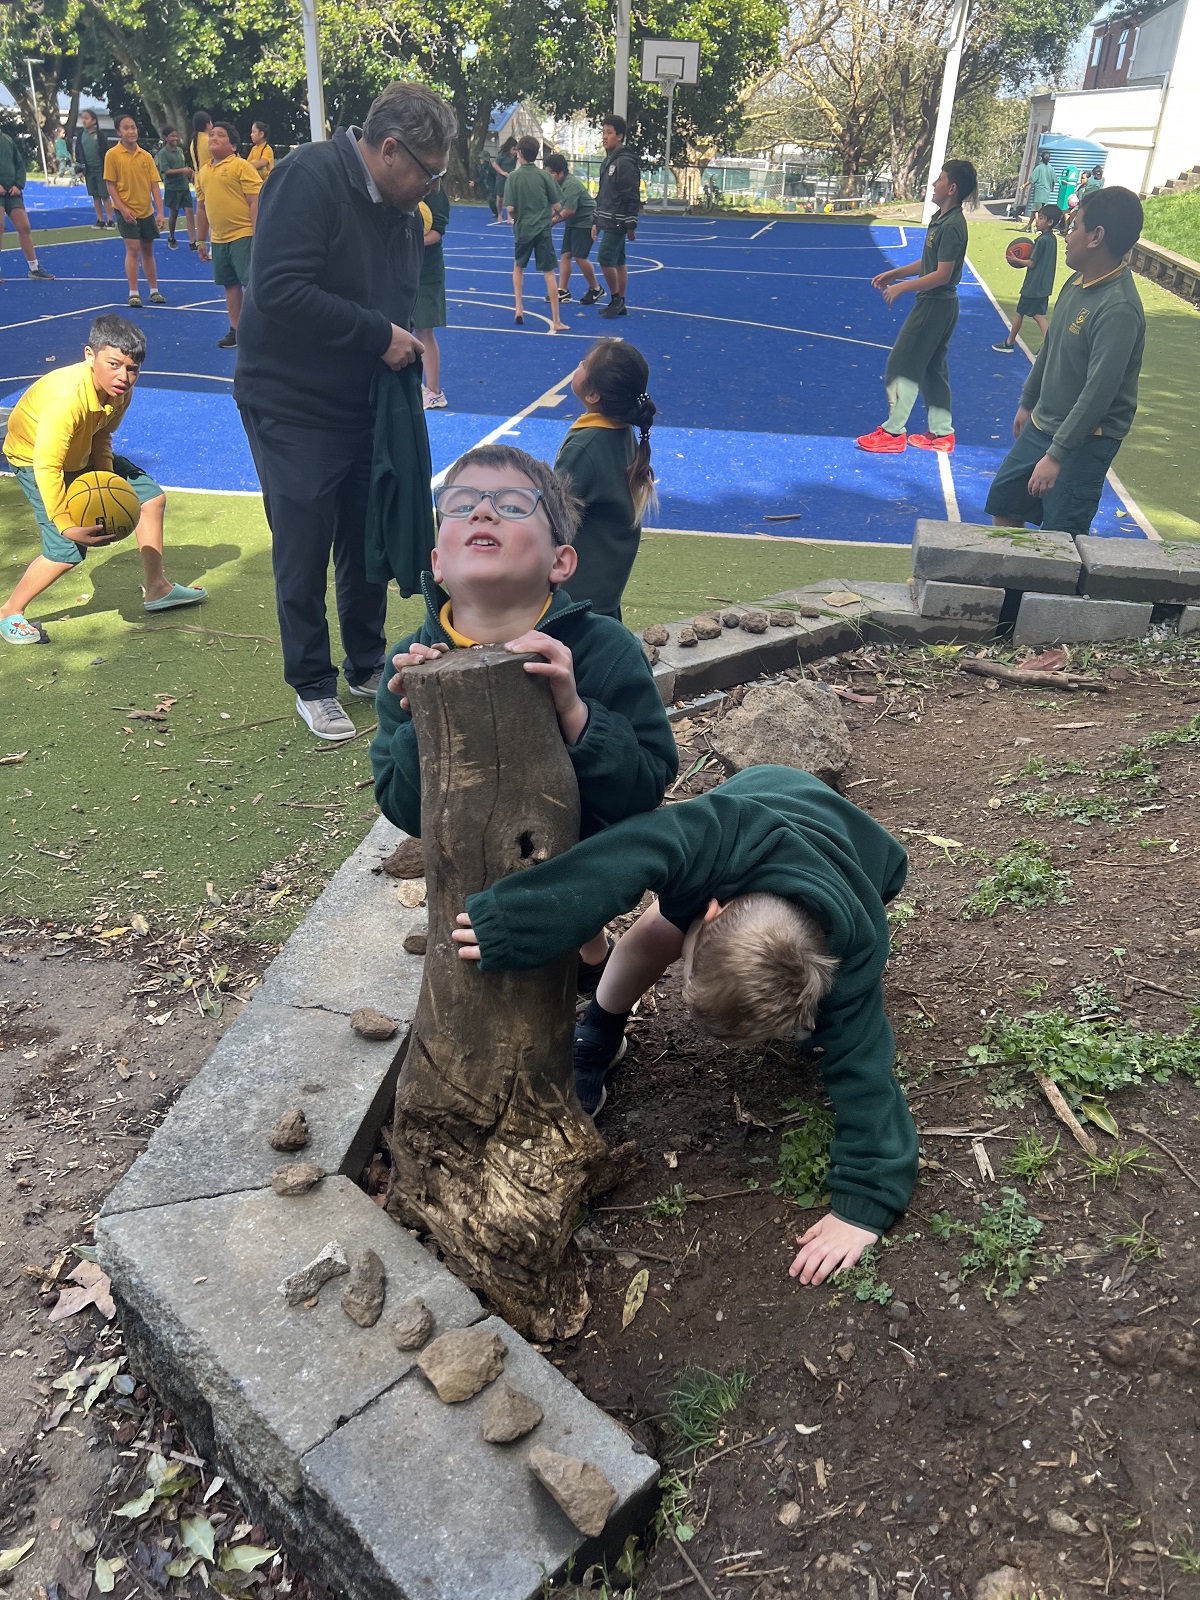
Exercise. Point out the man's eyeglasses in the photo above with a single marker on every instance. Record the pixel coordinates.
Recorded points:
(430, 177)
(458, 500)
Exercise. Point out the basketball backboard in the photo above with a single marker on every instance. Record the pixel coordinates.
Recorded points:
(674, 60)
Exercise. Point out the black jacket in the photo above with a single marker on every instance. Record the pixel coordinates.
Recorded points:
(105, 141)
(620, 197)
(332, 270)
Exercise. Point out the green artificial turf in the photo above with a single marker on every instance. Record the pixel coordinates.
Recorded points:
(1159, 462)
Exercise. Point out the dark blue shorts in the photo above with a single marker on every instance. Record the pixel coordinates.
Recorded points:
(1071, 504)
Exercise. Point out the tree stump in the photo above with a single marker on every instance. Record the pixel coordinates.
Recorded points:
(493, 1154)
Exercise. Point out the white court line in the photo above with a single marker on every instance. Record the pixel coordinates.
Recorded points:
(761, 272)
(1119, 489)
(832, 545)
(549, 398)
(771, 327)
(948, 491)
(903, 238)
(761, 231)
(60, 316)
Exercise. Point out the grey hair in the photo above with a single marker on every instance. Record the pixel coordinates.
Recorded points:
(562, 508)
(413, 113)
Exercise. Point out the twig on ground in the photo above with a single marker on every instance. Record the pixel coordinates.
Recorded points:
(240, 727)
(691, 1565)
(1161, 988)
(1064, 1113)
(758, 1439)
(1145, 1133)
(1024, 678)
(220, 633)
(328, 749)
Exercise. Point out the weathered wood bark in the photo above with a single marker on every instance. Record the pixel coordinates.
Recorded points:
(493, 1154)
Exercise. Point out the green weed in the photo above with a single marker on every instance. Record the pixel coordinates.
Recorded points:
(1088, 1057)
(1065, 808)
(675, 1506)
(1093, 994)
(1135, 765)
(1114, 1167)
(700, 1401)
(863, 1280)
(1025, 877)
(1138, 1244)
(1003, 1241)
(1031, 1157)
(899, 914)
(804, 1155)
(1186, 1556)
(1187, 733)
(598, 1583)
(667, 1207)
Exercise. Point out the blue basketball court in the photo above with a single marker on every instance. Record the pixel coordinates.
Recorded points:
(765, 340)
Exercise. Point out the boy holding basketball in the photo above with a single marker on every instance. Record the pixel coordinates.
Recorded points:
(1039, 267)
(61, 428)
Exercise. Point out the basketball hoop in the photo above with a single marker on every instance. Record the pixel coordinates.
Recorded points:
(668, 63)
(667, 82)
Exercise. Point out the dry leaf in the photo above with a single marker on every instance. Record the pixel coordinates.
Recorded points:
(842, 597)
(244, 1557)
(94, 1290)
(634, 1296)
(17, 1552)
(671, 1157)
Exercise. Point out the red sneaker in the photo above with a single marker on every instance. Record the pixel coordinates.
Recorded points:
(882, 443)
(933, 441)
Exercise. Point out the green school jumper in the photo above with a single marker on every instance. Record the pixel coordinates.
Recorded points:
(596, 456)
(768, 830)
(917, 364)
(625, 756)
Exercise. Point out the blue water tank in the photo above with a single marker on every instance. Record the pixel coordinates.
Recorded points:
(1082, 154)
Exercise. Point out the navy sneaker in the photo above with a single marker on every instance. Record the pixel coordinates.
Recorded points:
(595, 1054)
(587, 977)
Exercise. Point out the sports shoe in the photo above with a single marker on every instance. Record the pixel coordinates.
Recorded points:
(588, 975)
(326, 718)
(193, 246)
(40, 272)
(437, 401)
(135, 300)
(615, 307)
(1005, 347)
(882, 443)
(564, 295)
(595, 1054)
(369, 688)
(943, 443)
(172, 243)
(591, 297)
(229, 342)
(157, 299)
(99, 224)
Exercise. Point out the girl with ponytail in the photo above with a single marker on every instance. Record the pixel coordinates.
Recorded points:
(606, 456)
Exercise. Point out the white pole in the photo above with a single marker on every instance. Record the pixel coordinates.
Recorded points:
(667, 159)
(941, 132)
(621, 76)
(312, 63)
(37, 119)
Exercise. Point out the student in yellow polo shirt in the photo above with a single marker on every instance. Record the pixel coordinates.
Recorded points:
(227, 201)
(61, 426)
(132, 180)
(261, 156)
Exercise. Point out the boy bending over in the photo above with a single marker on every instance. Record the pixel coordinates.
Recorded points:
(503, 558)
(772, 888)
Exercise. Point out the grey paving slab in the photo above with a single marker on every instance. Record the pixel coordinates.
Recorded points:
(997, 558)
(735, 657)
(959, 602)
(1074, 619)
(1189, 622)
(215, 1138)
(664, 678)
(348, 952)
(201, 1281)
(418, 1505)
(1140, 569)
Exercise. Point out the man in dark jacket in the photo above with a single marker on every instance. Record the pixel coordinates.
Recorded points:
(617, 207)
(337, 258)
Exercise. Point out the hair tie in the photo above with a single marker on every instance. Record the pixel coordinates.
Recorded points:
(643, 400)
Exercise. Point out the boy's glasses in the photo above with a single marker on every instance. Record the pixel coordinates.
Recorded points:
(457, 500)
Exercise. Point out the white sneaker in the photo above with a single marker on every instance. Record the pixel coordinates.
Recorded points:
(435, 400)
(369, 688)
(326, 718)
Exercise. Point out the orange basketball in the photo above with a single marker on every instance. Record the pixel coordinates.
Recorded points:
(1018, 252)
(105, 498)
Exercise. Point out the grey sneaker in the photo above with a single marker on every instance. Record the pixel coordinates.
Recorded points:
(326, 718)
(40, 272)
(368, 689)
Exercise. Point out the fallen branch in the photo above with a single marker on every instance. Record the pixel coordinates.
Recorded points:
(1144, 1133)
(1024, 678)
(1064, 1113)
(241, 727)
(219, 633)
(691, 1565)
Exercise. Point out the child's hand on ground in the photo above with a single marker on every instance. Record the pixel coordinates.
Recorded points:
(466, 938)
(827, 1247)
(415, 654)
(559, 669)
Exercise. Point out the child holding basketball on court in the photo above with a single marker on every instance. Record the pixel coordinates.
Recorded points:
(60, 428)
(917, 364)
(532, 197)
(577, 209)
(606, 459)
(1039, 269)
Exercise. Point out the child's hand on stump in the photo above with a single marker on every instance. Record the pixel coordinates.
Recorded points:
(466, 938)
(827, 1247)
(412, 657)
(559, 669)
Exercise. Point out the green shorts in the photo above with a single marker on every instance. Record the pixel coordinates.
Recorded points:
(177, 199)
(577, 240)
(612, 248)
(1033, 305)
(1071, 504)
(93, 181)
(430, 309)
(541, 248)
(55, 545)
(231, 263)
(13, 202)
(139, 228)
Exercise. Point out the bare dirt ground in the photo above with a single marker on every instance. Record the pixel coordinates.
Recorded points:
(904, 1444)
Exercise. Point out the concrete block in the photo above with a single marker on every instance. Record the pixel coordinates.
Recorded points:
(214, 1140)
(959, 602)
(1074, 619)
(996, 558)
(198, 1287)
(664, 678)
(349, 950)
(1189, 622)
(474, 1524)
(735, 657)
(1140, 569)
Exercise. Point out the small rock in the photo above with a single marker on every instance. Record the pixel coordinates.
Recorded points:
(509, 1414)
(416, 942)
(627, 1260)
(1059, 1521)
(362, 1298)
(412, 1325)
(579, 1488)
(687, 636)
(789, 1514)
(298, 1177)
(808, 610)
(783, 619)
(656, 634)
(290, 1132)
(899, 1310)
(303, 1285)
(407, 860)
(754, 622)
(1009, 1317)
(730, 619)
(1124, 1347)
(651, 653)
(461, 1362)
(1182, 1354)
(412, 893)
(1005, 1583)
(793, 724)
(845, 1352)
(706, 628)
(371, 1024)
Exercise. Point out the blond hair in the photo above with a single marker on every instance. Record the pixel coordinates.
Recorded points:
(758, 971)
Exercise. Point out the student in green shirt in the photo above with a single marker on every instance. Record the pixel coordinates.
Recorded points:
(1039, 270)
(171, 161)
(532, 197)
(12, 197)
(1041, 187)
(91, 146)
(1080, 397)
(504, 164)
(430, 310)
(578, 212)
(917, 364)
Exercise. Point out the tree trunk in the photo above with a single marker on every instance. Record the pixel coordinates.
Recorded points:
(492, 1153)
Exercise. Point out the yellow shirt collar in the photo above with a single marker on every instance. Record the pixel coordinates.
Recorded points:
(1096, 282)
(593, 419)
(460, 639)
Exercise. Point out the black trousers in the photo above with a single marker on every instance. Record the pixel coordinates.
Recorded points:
(314, 484)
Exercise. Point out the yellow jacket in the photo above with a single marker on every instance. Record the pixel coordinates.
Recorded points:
(59, 425)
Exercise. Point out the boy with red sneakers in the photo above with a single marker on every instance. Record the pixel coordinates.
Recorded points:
(917, 364)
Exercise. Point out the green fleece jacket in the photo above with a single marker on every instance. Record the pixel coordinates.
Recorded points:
(625, 756)
(12, 163)
(596, 460)
(767, 830)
